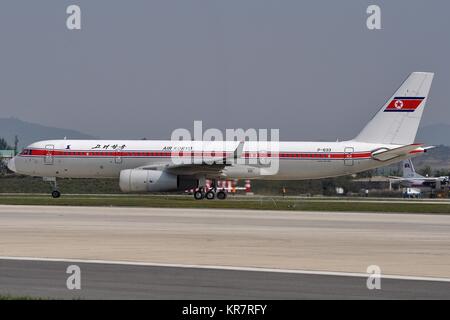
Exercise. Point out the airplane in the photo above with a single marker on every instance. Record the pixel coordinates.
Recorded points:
(155, 166)
(411, 179)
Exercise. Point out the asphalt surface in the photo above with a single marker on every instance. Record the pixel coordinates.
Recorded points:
(400, 244)
(158, 238)
(47, 279)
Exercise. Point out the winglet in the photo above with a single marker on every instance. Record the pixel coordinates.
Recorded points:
(238, 152)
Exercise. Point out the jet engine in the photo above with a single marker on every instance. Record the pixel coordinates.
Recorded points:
(138, 180)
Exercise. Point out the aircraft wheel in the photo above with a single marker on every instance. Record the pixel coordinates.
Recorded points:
(210, 195)
(56, 194)
(221, 195)
(199, 195)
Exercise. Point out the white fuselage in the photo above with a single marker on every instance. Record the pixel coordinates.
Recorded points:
(107, 158)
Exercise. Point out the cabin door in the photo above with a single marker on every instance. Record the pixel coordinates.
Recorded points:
(348, 156)
(48, 158)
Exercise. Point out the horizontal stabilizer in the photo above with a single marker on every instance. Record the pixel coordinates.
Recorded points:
(385, 154)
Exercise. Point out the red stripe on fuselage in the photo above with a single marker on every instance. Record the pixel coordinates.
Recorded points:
(163, 154)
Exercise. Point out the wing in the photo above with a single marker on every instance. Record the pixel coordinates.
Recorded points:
(210, 167)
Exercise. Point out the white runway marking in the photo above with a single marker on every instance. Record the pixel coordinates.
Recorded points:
(230, 268)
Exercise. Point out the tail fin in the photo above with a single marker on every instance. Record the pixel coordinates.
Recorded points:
(398, 120)
(408, 170)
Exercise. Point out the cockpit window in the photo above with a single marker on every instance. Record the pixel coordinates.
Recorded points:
(26, 152)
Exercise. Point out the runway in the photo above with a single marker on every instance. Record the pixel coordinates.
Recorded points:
(403, 244)
(400, 244)
(47, 279)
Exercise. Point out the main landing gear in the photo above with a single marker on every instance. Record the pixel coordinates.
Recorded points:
(211, 194)
(199, 194)
(221, 195)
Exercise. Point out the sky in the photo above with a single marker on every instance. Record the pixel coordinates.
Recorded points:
(136, 69)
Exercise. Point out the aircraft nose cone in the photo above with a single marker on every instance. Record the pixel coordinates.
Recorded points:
(12, 165)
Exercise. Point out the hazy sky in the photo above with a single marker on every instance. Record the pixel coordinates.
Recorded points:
(143, 68)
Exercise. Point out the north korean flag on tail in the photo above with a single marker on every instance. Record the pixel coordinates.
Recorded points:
(404, 104)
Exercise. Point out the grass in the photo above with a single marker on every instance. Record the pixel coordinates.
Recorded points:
(265, 203)
(11, 297)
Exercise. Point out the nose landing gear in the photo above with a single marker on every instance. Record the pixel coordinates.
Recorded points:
(55, 193)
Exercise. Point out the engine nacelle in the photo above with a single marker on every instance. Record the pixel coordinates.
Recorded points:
(138, 180)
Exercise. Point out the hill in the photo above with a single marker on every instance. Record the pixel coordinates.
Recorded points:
(437, 158)
(31, 132)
